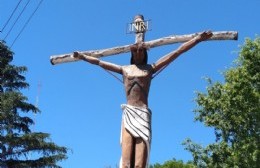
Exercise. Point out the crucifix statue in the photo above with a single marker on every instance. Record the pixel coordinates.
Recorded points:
(137, 77)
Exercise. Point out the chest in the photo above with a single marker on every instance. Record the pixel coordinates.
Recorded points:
(137, 71)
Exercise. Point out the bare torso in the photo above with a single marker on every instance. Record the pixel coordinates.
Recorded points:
(137, 79)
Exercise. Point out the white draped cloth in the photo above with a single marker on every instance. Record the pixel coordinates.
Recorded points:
(137, 121)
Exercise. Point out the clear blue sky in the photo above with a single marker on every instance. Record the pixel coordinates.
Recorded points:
(80, 103)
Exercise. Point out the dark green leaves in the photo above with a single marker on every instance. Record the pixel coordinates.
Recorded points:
(233, 110)
(19, 146)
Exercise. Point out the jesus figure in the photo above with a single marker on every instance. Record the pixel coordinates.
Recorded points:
(137, 77)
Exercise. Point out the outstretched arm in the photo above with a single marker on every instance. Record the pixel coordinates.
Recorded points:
(183, 48)
(106, 65)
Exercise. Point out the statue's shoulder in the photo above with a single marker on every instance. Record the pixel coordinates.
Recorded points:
(128, 67)
(137, 70)
(134, 67)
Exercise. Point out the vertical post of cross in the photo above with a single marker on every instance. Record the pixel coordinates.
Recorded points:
(140, 28)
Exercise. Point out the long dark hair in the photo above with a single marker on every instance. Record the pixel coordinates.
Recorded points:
(145, 60)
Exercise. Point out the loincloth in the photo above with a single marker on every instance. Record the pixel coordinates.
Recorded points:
(137, 121)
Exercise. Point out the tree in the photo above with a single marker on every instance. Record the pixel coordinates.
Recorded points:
(233, 110)
(173, 164)
(19, 146)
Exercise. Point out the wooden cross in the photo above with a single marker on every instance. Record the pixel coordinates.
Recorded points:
(137, 78)
(219, 35)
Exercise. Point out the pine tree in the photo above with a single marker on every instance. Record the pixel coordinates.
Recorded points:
(19, 146)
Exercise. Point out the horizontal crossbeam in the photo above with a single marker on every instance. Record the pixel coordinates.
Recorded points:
(220, 35)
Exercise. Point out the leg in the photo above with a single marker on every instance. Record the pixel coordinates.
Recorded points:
(140, 153)
(127, 149)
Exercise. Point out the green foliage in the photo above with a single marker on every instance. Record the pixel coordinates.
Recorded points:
(19, 146)
(173, 164)
(233, 110)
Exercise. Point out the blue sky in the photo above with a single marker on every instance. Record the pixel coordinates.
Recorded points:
(80, 103)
